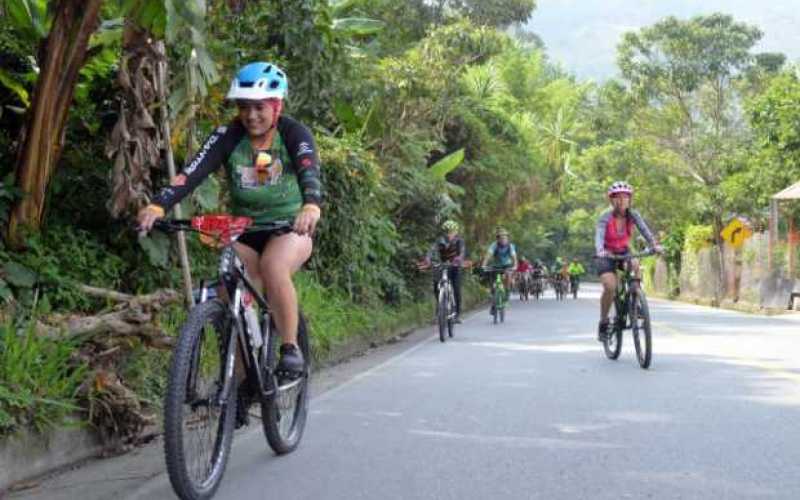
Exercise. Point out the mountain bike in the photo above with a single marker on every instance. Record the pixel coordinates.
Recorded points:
(537, 286)
(499, 299)
(524, 286)
(630, 312)
(560, 287)
(226, 356)
(445, 301)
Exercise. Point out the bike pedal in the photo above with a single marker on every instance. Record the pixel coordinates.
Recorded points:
(288, 379)
(284, 384)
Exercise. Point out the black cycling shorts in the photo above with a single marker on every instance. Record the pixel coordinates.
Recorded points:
(257, 240)
(606, 265)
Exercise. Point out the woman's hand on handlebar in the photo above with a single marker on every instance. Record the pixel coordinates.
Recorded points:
(306, 221)
(148, 216)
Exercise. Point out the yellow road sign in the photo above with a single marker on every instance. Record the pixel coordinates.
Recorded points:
(736, 232)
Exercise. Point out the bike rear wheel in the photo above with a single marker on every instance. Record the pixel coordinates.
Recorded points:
(642, 333)
(198, 429)
(284, 414)
(441, 314)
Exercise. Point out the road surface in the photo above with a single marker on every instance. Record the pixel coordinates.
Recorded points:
(527, 409)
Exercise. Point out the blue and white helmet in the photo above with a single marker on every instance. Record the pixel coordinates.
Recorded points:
(259, 80)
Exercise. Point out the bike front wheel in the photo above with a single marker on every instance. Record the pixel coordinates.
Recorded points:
(451, 320)
(198, 427)
(642, 332)
(612, 344)
(284, 414)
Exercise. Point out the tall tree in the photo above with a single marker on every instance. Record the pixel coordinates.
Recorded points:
(64, 52)
(685, 72)
(498, 13)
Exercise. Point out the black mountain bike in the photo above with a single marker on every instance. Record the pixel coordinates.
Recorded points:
(524, 280)
(537, 286)
(222, 342)
(630, 312)
(445, 301)
(560, 287)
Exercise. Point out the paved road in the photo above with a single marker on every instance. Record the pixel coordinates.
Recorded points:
(531, 409)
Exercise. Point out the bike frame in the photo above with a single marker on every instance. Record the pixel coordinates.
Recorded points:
(627, 286)
(498, 286)
(445, 285)
(234, 281)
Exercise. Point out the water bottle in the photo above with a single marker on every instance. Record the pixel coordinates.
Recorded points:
(253, 325)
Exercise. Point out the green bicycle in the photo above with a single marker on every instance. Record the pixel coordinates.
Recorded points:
(499, 295)
(631, 312)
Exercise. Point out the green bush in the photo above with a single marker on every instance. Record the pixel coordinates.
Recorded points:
(39, 379)
(698, 237)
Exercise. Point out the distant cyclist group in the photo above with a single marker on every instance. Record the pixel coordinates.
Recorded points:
(237, 348)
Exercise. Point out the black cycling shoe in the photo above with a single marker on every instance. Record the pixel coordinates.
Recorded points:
(292, 364)
(602, 331)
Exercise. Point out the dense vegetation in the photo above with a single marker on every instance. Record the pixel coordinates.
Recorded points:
(423, 111)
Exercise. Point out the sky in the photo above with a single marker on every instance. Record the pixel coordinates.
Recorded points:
(583, 34)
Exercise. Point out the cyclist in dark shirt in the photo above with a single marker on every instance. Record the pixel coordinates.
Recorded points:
(272, 168)
(449, 248)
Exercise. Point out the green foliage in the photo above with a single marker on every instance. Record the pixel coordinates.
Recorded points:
(446, 165)
(30, 18)
(774, 116)
(698, 237)
(684, 55)
(496, 13)
(39, 379)
(54, 263)
(356, 244)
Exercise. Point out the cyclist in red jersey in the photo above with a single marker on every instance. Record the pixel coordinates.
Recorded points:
(612, 237)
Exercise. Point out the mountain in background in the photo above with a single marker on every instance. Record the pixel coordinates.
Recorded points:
(583, 34)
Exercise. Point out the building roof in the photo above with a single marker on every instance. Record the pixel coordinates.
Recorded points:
(790, 193)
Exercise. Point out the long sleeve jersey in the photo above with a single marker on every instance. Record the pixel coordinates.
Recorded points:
(276, 191)
(612, 239)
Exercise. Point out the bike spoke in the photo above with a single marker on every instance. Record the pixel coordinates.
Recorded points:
(202, 416)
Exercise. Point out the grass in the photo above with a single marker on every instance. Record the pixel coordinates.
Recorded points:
(39, 380)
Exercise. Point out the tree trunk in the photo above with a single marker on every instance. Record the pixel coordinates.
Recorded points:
(721, 288)
(43, 135)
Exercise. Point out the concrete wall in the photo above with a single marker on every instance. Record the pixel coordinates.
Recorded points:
(747, 279)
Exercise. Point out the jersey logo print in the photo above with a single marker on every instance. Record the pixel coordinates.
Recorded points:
(202, 155)
(304, 149)
(251, 178)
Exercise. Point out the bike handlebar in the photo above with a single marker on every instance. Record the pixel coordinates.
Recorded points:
(175, 225)
(628, 256)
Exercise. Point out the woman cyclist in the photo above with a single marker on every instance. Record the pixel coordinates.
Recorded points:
(272, 167)
(612, 237)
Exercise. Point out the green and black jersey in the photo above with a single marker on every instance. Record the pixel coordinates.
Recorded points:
(276, 192)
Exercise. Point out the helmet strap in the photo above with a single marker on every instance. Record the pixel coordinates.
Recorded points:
(277, 107)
